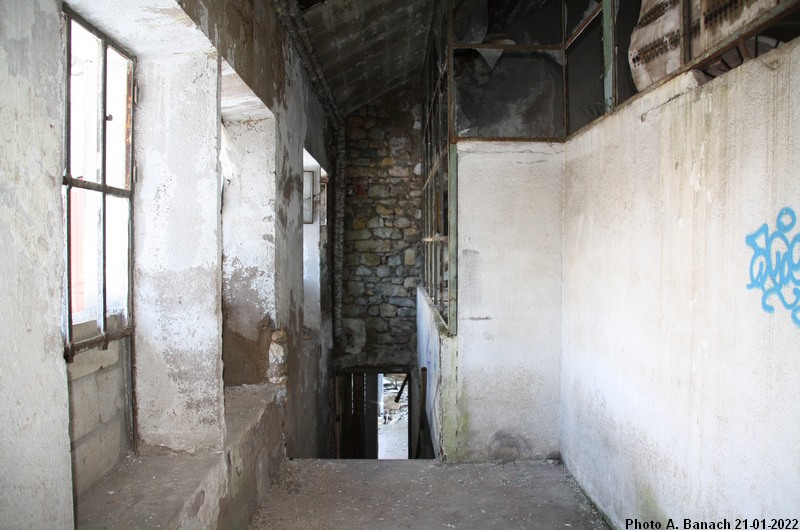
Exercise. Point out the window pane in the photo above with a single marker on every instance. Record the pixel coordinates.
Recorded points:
(627, 17)
(585, 64)
(507, 21)
(118, 122)
(505, 94)
(577, 12)
(117, 260)
(84, 253)
(85, 97)
(308, 197)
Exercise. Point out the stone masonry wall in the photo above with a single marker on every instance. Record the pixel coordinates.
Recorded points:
(382, 258)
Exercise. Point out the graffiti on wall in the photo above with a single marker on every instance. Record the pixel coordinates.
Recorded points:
(775, 265)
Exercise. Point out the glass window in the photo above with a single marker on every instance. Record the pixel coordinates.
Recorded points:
(97, 187)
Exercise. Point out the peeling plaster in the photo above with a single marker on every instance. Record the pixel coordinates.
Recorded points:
(35, 454)
(178, 254)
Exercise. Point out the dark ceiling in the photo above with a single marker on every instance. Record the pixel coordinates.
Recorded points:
(367, 47)
(305, 4)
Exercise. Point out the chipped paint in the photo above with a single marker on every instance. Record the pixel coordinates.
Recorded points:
(35, 456)
(177, 254)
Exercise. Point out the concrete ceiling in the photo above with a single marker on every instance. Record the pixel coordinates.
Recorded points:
(368, 47)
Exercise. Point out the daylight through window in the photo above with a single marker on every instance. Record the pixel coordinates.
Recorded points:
(97, 189)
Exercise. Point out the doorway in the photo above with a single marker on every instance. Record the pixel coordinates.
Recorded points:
(375, 415)
(393, 417)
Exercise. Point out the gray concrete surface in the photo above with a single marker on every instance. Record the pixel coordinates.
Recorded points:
(393, 439)
(316, 494)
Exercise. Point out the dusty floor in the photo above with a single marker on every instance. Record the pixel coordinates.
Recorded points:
(422, 494)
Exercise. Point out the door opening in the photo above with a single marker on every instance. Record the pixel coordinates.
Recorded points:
(375, 415)
(393, 417)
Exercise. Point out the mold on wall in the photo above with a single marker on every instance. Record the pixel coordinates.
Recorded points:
(509, 296)
(382, 253)
(674, 377)
(34, 442)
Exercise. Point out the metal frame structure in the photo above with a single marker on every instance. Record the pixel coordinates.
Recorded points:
(70, 182)
(440, 153)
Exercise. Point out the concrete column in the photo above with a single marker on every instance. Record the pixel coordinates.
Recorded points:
(509, 300)
(248, 234)
(178, 254)
(34, 442)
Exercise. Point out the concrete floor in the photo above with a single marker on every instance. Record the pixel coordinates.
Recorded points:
(393, 439)
(421, 494)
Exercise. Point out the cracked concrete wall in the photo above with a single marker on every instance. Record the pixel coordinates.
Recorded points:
(679, 389)
(248, 235)
(34, 442)
(509, 300)
(177, 259)
(250, 38)
(304, 365)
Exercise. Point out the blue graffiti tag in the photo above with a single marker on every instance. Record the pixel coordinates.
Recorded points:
(775, 265)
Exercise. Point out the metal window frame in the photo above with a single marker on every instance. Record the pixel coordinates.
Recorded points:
(438, 237)
(440, 162)
(69, 182)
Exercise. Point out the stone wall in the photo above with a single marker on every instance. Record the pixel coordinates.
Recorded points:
(382, 260)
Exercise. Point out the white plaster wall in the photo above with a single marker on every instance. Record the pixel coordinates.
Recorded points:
(35, 479)
(251, 39)
(178, 253)
(248, 213)
(436, 351)
(509, 299)
(679, 392)
(312, 310)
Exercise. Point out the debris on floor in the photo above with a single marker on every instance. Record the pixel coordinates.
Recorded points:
(330, 494)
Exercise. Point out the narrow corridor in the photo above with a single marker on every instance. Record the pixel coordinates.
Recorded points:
(316, 494)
